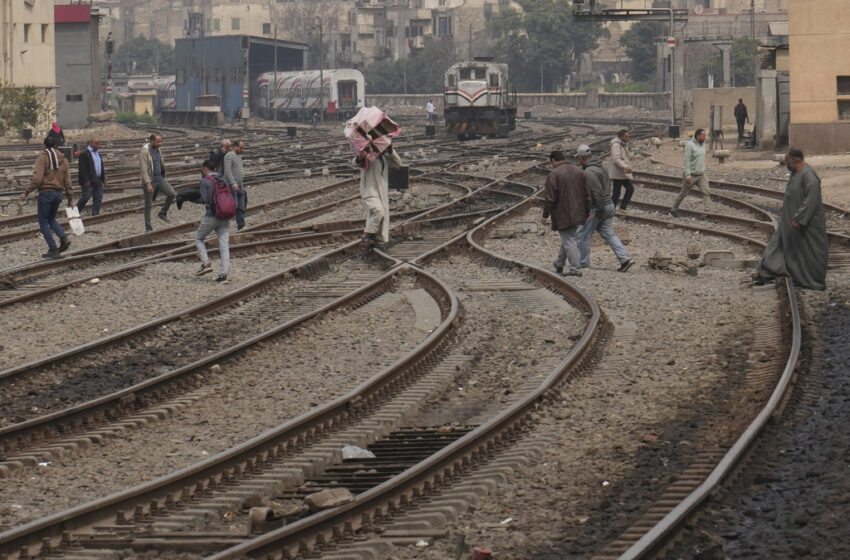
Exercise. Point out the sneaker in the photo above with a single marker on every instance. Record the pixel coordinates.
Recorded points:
(571, 273)
(52, 254)
(206, 267)
(626, 266)
(558, 269)
(674, 213)
(179, 202)
(64, 243)
(221, 278)
(623, 211)
(148, 228)
(163, 217)
(238, 227)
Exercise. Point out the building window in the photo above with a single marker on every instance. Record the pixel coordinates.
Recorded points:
(75, 97)
(216, 24)
(267, 29)
(843, 85)
(843, 110)
(234, 24)
(27, 32)
(43, 32)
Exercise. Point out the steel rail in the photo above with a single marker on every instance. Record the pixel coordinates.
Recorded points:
(268, 447)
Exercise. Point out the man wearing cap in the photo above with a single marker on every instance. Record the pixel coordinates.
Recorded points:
(601, 213)
(567, 200)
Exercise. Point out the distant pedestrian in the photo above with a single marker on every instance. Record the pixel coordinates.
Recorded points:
(214, 194)
(55, 133)
(234, 176)
(741, 117)
(620, 168)
(799, 247)
(92, 177)
(601, 213)
(374, 191)
(152, 167)
(429, 108)
(694, 173)
(567, 199)
(217, 155)
(51, 176)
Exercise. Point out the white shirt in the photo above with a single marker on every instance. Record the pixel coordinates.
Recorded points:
(429, 107)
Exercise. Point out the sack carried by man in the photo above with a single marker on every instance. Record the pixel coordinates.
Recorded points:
(74, 220)
(223, 201)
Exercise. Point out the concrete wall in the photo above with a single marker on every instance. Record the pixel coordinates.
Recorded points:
(819, 30)
(528, 101)
(820, 138)
(725, 97)
(77, 73)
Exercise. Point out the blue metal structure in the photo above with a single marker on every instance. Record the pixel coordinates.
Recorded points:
(217, 66)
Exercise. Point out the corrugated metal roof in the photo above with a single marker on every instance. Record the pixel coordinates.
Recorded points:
(777, 28)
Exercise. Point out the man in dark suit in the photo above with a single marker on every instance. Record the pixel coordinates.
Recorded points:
(92, 177)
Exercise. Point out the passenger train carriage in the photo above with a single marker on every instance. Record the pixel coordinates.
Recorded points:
(296, 95)
(166, 92)
(478, 99)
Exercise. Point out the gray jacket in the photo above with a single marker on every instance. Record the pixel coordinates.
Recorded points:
(234, 172)
(694, 158)
(598, 183)
(619, 160)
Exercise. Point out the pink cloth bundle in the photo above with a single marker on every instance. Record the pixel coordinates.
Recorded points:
(370, 131)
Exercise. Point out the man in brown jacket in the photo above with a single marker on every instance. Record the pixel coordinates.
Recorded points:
(566, 198)
(51, 177)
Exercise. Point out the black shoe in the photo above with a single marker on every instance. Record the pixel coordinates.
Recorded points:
(163, 217)
(205, 267)
(52, 254)
(179, 202)
(674, 213)
(148, 228)
(238, 227)
(759, 280)
(64, 244)
(558, 269)
(626, 266)
(572, 273)
(368, 240)
(221, 278)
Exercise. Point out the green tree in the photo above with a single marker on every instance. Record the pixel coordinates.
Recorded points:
(421, 72)
(542, 43)
(743, 56)
(21, 108)
(143, 56)
(640, 45)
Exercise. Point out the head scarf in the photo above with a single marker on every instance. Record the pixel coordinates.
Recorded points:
(56, 128)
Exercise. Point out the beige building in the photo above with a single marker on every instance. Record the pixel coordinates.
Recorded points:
(27, 50)
(819, 35)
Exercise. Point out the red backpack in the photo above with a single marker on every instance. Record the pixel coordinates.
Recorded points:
(223, 201)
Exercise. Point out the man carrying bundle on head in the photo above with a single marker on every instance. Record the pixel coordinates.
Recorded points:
(370, 133)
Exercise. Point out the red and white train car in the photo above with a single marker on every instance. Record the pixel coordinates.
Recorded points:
(295, 95)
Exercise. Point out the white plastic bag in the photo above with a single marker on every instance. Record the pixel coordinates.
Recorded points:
(354, 452)
(75, 220)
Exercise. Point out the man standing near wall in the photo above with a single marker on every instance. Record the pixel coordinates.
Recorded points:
(741, 117)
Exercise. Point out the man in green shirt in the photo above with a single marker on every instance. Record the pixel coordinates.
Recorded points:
(694, 172)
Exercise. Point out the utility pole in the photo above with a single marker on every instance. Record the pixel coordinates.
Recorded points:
(470, 41)
(753, 20)
(321, 72)
(273, 88)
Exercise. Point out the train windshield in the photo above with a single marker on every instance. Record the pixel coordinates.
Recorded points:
(473, 73)
(347, 93)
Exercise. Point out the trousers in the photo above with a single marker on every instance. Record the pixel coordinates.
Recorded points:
(700, 182)
(603, 222)
(620, 184)
(159, 186)
(569, 251)
(94, 192)
(48, 206)
(222, 232)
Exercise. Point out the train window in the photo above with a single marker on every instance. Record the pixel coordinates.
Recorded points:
(465, 73)
(452, 80)
(494, 80)
(480, 73)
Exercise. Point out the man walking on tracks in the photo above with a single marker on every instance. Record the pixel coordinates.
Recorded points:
(374, 190)
(217, 155)
(234, 175)
(620, 169)
(92, 177)
(799, 247)
(602, 213)
(566, 199)
(152, 169)
(741, 116)
(220, 205)
(694, 173)
(51, 177)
